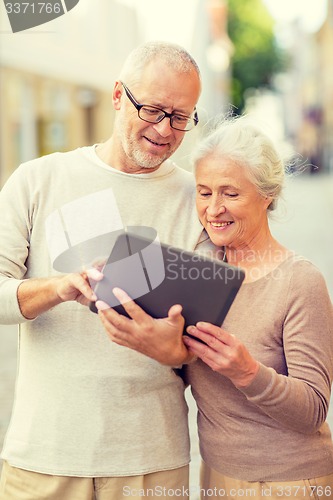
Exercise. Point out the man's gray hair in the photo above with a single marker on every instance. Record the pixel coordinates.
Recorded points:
(173, 56)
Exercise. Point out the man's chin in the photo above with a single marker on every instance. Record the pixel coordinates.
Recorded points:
(149, 162)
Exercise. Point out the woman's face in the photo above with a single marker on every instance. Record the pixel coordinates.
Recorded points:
(228, 204)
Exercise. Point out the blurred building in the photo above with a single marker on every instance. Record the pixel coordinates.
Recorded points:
(307, 90)
(325, 87)
(57, 79)
(213, 50)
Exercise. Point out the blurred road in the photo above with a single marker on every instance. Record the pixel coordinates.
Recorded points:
(302, 223)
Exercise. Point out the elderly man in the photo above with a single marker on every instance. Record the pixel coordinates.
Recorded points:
(92, 419)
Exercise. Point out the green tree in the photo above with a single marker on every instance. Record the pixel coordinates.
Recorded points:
(256, 55)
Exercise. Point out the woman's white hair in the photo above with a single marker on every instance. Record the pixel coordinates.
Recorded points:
(238, 139)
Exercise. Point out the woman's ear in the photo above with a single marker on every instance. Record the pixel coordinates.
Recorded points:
(269, 200)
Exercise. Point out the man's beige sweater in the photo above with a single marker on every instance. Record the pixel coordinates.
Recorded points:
(85, 406)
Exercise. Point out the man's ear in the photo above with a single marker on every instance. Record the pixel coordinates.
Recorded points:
(116, 95)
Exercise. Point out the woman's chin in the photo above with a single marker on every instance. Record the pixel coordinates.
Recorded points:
(217, 239)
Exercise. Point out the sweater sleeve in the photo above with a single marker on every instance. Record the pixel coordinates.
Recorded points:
(300, 400)
(15, 227)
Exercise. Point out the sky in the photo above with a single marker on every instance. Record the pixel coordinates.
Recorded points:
(310, 12)
(160, 21)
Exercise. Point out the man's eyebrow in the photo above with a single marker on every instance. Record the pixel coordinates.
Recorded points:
(174, 111)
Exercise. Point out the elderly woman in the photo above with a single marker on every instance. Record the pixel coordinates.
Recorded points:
(262, 381)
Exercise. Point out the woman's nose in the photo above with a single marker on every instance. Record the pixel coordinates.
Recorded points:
(215, 208)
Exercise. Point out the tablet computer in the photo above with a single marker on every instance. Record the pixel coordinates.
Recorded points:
(158, 276)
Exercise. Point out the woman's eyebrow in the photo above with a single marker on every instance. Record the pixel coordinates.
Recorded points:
(223, 186)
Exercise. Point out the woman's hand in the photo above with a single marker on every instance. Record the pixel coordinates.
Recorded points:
(223, 352)
(160, 339)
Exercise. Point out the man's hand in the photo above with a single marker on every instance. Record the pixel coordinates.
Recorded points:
(160, 339)
(36, 296)
(78, 286)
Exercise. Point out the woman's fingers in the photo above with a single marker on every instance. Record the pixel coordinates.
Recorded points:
(214, 342)
(211, 334)
(223, 352)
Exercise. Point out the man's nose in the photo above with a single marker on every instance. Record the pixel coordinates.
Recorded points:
(164, 127)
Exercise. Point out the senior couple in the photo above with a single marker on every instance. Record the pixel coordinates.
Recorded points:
(101, 419)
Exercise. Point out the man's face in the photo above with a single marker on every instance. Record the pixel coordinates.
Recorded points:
(142, 146)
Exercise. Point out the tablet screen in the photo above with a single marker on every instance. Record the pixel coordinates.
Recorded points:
(158, 276)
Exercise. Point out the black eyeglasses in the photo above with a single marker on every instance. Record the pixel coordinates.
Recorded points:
(152, 114)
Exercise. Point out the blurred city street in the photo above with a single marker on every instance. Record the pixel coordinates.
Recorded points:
(303, 223)
(272, 61)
